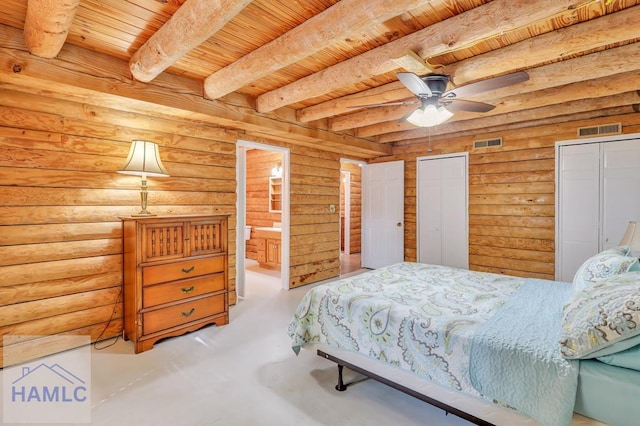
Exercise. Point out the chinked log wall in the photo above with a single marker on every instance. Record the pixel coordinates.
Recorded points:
(511, 195)
(61, 199)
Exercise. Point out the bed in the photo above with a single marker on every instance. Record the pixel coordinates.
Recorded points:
(482, 346)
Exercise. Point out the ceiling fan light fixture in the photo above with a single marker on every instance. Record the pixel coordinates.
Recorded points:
(429, 116)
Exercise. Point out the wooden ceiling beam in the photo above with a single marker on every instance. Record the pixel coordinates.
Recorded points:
(610, 63)
(523, 116)
(390, 92)
(324, 29)
(47, 24)
(581, 37)
(193, 23)
(460, 30)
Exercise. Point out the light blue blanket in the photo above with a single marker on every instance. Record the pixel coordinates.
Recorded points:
(515, 356)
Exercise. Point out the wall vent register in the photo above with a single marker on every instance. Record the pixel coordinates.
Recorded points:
(487, 143)
(605, 129)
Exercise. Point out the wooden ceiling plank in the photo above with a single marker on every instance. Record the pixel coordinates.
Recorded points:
(322, 30)
(579, 38)
(193, 23)
(461, 30)
(47, 25)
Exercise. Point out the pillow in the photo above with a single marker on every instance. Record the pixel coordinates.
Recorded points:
(606, 313)
(604, 264)
(629, 358)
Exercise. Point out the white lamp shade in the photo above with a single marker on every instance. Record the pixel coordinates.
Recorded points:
(429, 116)
(144, 160)
(632, 237)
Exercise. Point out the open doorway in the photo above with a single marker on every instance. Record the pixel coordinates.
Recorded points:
(350, 215)
(263, 218)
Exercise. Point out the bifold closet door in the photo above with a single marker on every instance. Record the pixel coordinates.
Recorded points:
(442, 211)
(598, 194)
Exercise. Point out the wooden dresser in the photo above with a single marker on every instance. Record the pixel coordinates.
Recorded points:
(175, 276)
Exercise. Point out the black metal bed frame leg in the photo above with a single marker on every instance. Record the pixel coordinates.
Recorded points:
(340, 386)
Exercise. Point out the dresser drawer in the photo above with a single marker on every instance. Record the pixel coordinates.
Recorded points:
(181, 270)
(178, 290)
(183, 313)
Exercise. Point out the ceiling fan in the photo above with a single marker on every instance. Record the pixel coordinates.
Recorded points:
(437, 104)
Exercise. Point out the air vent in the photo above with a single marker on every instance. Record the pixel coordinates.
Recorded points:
(605, 129)
(487, 143)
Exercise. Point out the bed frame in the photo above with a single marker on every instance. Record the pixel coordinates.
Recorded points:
(468, 407)
(341, 386)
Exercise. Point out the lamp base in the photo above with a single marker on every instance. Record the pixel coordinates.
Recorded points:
(143, 213)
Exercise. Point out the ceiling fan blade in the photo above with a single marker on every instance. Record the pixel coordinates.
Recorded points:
(414, 83)
(385, 104)
(464, 105)
(487, 85)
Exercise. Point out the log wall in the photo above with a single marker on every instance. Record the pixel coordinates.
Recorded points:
(511, 195)
(61, 200)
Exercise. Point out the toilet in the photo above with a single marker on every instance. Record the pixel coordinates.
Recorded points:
(247, 232)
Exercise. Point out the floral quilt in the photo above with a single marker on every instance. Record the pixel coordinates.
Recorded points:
(418, 317)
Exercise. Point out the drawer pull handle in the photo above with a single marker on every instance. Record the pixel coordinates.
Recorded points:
(187, 270)
(188, 314)
(188, 290)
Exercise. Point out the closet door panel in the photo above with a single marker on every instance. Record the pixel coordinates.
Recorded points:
(442, 211)
(429, 213)
(579, 206)
(620, 189)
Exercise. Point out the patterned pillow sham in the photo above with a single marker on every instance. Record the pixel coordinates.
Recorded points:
(604, 264)
(605, 314)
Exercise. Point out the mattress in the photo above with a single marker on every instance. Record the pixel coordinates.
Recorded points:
(608, 393)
